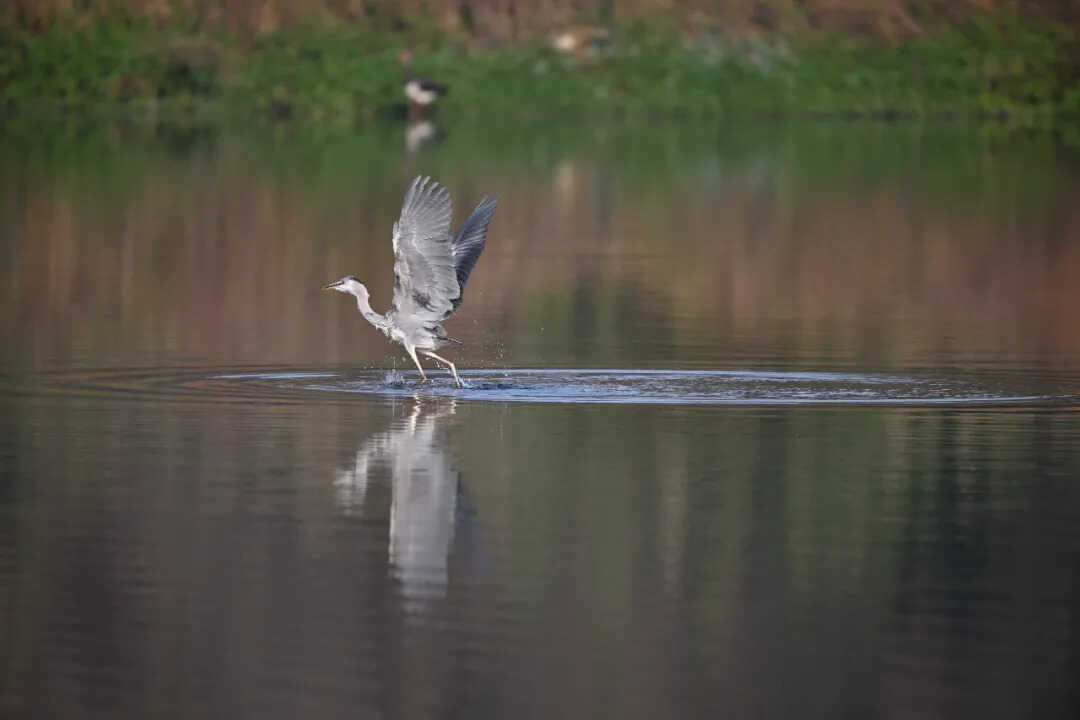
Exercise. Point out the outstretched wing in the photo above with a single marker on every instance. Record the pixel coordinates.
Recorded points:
(469, 243)
(425, 276)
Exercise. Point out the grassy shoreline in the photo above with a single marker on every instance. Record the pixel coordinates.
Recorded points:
(345, 75)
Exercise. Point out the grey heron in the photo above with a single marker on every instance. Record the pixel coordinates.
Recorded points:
(431, 268)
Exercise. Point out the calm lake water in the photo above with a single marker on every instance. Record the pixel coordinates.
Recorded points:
(774, 421)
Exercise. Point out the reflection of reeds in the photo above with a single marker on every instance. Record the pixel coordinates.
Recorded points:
(686, 254)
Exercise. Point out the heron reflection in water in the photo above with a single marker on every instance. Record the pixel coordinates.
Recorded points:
(424, 503)
(430, 271)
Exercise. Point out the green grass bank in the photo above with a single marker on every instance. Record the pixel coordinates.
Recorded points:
(344, 74)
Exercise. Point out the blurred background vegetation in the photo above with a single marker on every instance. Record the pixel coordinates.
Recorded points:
(336, 62)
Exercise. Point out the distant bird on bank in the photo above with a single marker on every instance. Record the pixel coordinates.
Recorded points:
(421, 92)
(580, 40)
(431, 268)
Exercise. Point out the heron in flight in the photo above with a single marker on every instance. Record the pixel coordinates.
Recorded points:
(431, 268)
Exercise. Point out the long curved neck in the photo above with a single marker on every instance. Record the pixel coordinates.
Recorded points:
(370, 315)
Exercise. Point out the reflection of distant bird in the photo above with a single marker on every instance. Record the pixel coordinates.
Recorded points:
(421, 91)
(430, 271)
(422, 511)
(418, 134)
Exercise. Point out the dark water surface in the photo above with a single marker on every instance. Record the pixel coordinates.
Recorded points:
(759, 422)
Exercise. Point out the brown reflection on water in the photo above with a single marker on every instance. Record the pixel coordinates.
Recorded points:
(633, 562)
(327, 557)
(139, 252)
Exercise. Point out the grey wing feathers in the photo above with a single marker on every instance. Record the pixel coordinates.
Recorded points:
(425, 212)
(469, 243)
(430, 267)
(425, 280)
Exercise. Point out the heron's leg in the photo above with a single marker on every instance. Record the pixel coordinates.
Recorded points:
(449, 364)
(412, 354)
(443, 361)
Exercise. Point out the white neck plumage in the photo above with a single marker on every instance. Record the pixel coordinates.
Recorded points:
(363, 304)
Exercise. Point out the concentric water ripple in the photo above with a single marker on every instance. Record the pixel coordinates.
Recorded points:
(674, 387)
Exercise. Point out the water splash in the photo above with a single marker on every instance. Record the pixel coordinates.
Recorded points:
(693, 387)
(617, 386)
(394, 379)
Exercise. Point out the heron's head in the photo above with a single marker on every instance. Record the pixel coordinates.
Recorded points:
(348, 284)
